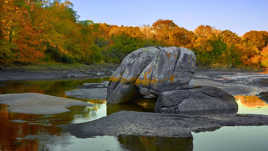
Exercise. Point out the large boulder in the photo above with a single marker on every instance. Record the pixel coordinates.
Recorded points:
(165, 73)
(172, 68)
(196, 100)
(148, 71)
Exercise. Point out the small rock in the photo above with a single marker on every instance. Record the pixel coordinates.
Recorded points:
(92, 93)
(96, 85)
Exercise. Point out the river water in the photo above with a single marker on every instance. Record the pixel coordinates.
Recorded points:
(27, 132)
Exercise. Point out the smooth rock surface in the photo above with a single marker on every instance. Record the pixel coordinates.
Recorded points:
(162, 125)
(237, 89)
(196, 100)
(121, 93)
(34, 103)
(172, 68)
(91, 93)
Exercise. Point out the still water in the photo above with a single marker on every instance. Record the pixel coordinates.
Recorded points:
(26, 132)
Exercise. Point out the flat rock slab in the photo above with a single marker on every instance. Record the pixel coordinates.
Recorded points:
(162, 125)
(34, 103)
(96, 85)
(92, 93)
(233, 89)
(261, 82)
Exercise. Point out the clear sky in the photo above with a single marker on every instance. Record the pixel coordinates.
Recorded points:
(239, 16)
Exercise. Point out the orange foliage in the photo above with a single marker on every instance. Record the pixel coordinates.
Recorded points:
(31, 31)
(264, 55)
(256, 38)
(229, 37)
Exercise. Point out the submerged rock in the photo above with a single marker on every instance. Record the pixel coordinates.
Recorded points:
(162, 125)
(91, 93)
(34, 103)
(150, 70)
(196, 100)
(95, 85)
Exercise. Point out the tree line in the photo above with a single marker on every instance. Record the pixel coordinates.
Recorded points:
(40, 31)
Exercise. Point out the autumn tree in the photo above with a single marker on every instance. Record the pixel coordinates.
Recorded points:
(264, 57)
(256, 38)
(20, 39)
(36, 31)
(163, 29)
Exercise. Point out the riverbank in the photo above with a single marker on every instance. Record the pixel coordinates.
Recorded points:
(78, 71)
(56, 71)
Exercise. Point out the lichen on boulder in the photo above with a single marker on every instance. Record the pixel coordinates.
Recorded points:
(164, 73)
(147, 71)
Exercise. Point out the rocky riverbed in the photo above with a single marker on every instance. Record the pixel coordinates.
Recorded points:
(88, 72)
(166, 76)
(40, 131)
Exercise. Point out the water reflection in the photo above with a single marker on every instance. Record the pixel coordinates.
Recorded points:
(26, 132)
(251, 101)
(51, 87)
(10, 131)
(14, 127)
(239, 138)
(251, 105)
(145, 143)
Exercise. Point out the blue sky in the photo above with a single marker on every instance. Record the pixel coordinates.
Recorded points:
(239, 16)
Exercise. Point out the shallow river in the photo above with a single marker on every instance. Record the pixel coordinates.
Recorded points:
(26, 132)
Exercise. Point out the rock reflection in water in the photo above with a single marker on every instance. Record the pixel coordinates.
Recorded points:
(142, 105)
(50, 87)
(145, 143)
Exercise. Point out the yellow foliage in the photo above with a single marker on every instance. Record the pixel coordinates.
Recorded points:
(264, 51)
(264, 62)
(255, 60)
